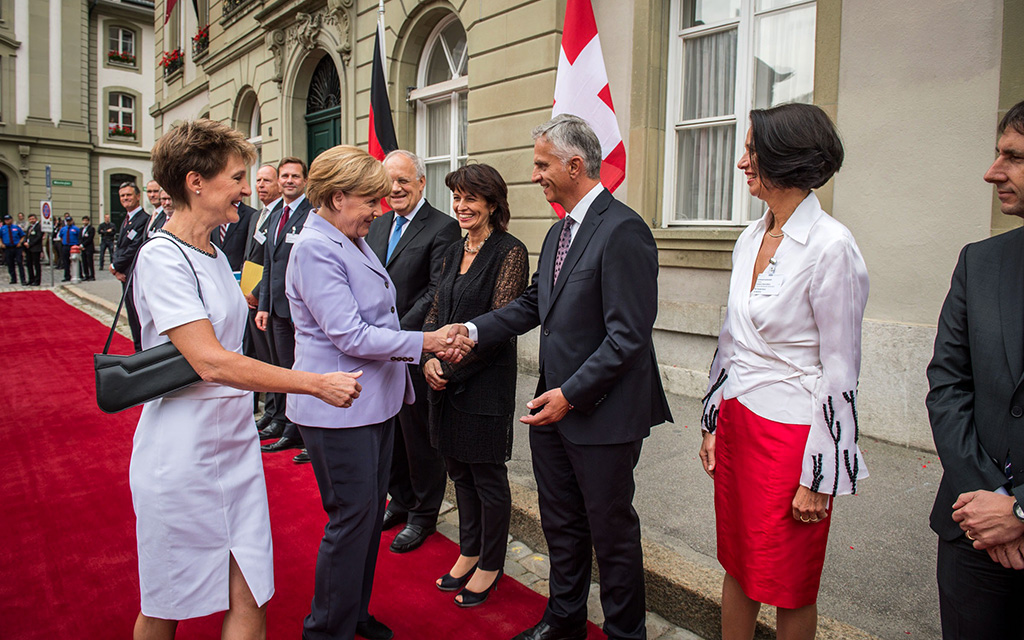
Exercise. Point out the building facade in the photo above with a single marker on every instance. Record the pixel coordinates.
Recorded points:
(59, 83)
(916, 88)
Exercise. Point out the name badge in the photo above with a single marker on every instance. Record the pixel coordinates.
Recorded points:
(131, 234)
(291, 238)
(259, 237)
(768, 284)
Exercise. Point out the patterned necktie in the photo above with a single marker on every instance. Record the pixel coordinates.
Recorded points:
(284, 221)
(564, 240)
(396, 235)
(223, 232)
(264, 212)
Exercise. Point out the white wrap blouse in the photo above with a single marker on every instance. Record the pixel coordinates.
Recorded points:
(790, 349)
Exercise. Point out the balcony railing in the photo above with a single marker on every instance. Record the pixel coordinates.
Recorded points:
(172, 62)
(200, 42)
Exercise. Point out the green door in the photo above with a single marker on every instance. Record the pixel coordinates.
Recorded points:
(323, 131)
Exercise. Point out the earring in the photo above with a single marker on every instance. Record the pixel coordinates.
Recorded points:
(197, 192)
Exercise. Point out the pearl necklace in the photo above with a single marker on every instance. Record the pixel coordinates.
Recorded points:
(469, 249)
(194, 248)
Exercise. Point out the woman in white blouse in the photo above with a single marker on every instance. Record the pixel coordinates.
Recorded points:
(780, 415)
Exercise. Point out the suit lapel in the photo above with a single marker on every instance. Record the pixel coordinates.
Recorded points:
(415, 226)
(1011, 305)
(590, 224)
(378, 236)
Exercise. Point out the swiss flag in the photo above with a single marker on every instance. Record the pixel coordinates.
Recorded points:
(581, 89)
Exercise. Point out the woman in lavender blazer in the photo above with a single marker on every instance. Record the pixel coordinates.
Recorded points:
(343, 306)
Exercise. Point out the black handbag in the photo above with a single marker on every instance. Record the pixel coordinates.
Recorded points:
(123, 382)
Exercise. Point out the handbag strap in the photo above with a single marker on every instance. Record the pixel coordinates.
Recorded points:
(131, 274)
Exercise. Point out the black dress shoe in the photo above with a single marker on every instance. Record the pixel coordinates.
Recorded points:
(374, 629)
(281, 445)
(265, 422)
(393, 519)
(302, 457)
(273, 430)
(544, 631)
(411, 537)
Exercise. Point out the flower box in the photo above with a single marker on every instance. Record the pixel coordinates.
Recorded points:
(121, 132)
(172, 61)
(121, 57)
(201, 42)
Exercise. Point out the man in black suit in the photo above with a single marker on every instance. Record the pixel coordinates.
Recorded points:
(274, 315)
(129, 239)
(595, 297)
(231, 237)
(159, 217)
(87, 238)
(410, 242)
(34, 248)
(107, 232)
(976, 408)
(255, 343)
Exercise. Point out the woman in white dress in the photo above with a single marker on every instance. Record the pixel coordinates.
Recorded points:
(780, 416)
(203, 524)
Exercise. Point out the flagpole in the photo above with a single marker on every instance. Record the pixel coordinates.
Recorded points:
(380, 29)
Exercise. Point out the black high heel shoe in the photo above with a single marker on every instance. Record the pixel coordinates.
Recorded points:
(472, 598)
(451, 583)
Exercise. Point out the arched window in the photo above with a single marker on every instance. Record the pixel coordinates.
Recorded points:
(323, 109)
(443, 84)
(121, 116)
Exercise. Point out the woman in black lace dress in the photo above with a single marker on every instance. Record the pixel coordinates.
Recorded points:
(472, 403)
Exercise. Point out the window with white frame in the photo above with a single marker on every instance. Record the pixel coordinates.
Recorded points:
(121, 47)
(441, 99)
(121, 116)
(728, 57)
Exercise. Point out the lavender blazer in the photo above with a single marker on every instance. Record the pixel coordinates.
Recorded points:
(343, 306)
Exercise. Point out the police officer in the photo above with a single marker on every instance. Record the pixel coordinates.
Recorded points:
(69, 237)
(12, 237)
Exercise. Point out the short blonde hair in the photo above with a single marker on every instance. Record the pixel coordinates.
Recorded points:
(204, 146)
(347, 169)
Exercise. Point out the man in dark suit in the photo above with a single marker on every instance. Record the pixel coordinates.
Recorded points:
(595, 297)
(255, 343)
(410, 242)
(107, 232)
(159, 217)
(976, 408)
(34, 248)
(274, 315)
(86, 268)
(129, 239)
(231, 236)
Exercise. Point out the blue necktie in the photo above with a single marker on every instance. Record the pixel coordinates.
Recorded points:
(396, 235)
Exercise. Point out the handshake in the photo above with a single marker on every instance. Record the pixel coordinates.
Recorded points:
(449, 343)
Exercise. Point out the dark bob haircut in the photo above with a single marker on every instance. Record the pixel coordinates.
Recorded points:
(204, 146)
(794, 146)
(1014, 119)
(483, 181)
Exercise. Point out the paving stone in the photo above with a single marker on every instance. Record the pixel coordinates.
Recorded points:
(518, 550)
(515, 570)
(537, 563)
(541, 587)
(449, 530)
(595, 613)
(657, 627)
(446, 507)
(680, 634)
(529, 578)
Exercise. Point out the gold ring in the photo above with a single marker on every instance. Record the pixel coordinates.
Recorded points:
(814, 519)
(803, 519)
(968, 534)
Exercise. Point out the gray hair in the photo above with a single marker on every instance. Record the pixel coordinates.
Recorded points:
(421, 169)
(571, 136)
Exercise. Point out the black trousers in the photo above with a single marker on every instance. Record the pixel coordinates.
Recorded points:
(281, 341)
(978, 598)
(15, 264)
(417, 471)
(105, 246)
(586, 498)
(133, 316)
(65, 260)
(255, 344)
(35, 269)
(351, 468)
(485, 509)
(86, 268)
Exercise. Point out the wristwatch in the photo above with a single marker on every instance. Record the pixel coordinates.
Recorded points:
(1018, 511)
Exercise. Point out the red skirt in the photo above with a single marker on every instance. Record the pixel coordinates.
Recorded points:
(776, 558)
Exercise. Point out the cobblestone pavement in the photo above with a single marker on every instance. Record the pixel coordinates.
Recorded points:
(531, 569)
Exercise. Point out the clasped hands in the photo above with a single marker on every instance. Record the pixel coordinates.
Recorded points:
(987, 519)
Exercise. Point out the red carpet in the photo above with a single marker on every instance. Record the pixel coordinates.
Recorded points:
(68, 566)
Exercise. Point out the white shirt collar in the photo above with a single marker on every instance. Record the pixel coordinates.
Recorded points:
(583, 206)
(131, 214)
(798, 227)
(293, 205)
(273, 204)
(412, 214)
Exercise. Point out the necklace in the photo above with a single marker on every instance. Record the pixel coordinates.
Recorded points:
(208, 254)
(470, 249)
(768, 231)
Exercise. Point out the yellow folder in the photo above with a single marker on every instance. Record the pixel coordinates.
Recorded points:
(252, 273)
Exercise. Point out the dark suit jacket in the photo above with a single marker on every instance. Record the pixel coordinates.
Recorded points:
(596, 326)
(234, 237)
(124, 254)
(976, 376)
(157, 220)
(415, 265)
(87, 238)
(275, 259)
(34, 238)
(254, 250)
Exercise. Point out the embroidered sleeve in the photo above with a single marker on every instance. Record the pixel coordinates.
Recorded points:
(833, 463)
(712, 400)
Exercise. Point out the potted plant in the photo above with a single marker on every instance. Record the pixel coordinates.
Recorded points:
(122, 57)
(172, 61)
(201, 41)
(122, 132)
